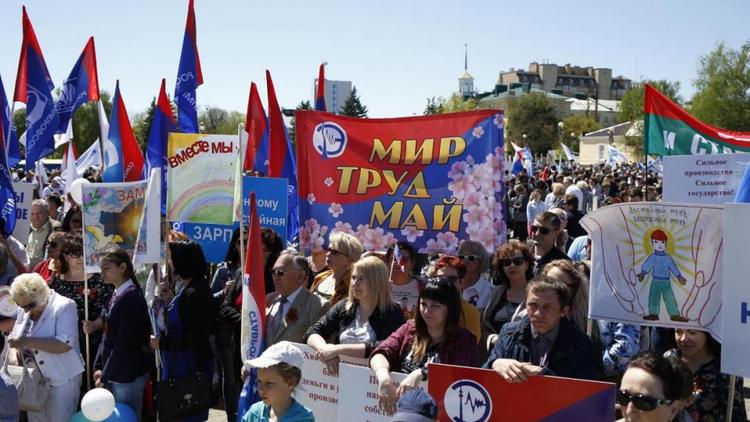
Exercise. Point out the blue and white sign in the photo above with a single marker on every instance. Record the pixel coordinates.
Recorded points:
(735, 309)
(272, 202)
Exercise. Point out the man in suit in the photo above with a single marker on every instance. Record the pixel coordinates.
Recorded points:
(291, 309)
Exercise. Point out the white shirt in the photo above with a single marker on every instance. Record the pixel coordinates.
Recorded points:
(358, 331)
(288, 304)
(406, 297)
(124, 286)
(478, 294)
(575, 190)
(19, 251)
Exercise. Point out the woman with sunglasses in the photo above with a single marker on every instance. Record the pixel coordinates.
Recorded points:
(653, 388)
(45, 336)
(54, 248)
(475, 287)
(355, 326)
(73, 220)
(343, 251)
(68, 281)
(702, 353)
(434, 335)
(514, 268)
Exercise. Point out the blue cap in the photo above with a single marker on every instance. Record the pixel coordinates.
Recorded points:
(416, 406)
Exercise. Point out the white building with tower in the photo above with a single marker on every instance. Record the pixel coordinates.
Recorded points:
(466, 81)
(336, 93)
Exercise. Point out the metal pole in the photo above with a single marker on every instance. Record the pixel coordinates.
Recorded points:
(86, 318)
(241, 157)
(730, 399)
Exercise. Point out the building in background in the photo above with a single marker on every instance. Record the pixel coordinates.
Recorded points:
(335, 94)
(466, 81)
(594, 146)
(570, 81)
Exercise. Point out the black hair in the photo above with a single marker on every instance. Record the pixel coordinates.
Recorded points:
(444, 292)
(188, 260)
(676, 378)
(119, 256)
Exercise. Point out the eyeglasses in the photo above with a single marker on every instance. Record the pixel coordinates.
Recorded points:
(541, 229)
(640, 401)
(444, 279)
(335, 252)
(28, 307)
(469, 258)
(281, 273)
(517, 261)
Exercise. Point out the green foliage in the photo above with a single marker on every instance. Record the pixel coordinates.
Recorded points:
(723, 88)
(353, 105)
(229, 126)
(579, 125)
(303, 105)
(631, 106)
(211, 118)
(453, 104)
(536, 116)
(142, 124)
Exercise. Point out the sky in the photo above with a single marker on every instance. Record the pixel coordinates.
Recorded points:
(397, 53)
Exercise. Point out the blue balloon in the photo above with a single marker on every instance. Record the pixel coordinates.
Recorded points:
(122, 413)
(78, 417)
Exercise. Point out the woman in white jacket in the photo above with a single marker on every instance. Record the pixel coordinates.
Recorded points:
(46, 336)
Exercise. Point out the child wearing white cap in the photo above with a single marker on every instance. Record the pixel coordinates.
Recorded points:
(279, 373)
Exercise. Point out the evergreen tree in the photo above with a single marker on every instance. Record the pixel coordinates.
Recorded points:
(353, 106)
(142, 124)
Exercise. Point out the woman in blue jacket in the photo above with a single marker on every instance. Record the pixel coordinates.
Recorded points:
(123, 361)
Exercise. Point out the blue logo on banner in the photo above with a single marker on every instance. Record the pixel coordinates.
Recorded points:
(329, 139)
(467, 401)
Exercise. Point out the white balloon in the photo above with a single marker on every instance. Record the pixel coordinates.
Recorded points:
(76, 190)
(98, 404)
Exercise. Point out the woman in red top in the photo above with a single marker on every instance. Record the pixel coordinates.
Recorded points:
(54, 250)
(434, 335)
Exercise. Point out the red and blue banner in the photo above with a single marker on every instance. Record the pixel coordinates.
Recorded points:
(7, 128)
(7, 195)
(320, 98)
(156, 148)
(123, 159)
(81, 86)
(189, 77)
(281, 162)
(256, 126)
(34, 88)
(430, 180)
(253, 304)
(481, 395)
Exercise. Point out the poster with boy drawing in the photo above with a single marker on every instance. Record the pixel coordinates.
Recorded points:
(657, 264)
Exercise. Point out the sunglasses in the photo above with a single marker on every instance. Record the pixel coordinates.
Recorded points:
(444, 279)
(468, 258)
(335, 252)
(28, 307)
(541, 229)
(281, 273)
(74, 254)
(640, 402)
(517, 261)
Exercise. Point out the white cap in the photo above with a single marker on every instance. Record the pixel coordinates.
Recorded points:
(282, 351)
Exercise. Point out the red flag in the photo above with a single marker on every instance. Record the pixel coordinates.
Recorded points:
(253, 289)
(255, 126)
(320, 99)
(277, 132)
(29, 40)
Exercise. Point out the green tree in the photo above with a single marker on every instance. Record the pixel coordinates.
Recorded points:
(535, 116)
(142, 124)
(631, 106)
(353, 105)
(211, 118)
(723, 88)
(453, 104)
(229, 126)
(303, 105)
(579, 125)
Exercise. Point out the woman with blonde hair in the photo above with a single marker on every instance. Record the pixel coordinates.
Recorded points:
(556, 198)
(343, 251)
(355, 326)
(45, 336)
(577, 283)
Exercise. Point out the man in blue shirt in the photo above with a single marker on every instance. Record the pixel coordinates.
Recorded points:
(662, 267)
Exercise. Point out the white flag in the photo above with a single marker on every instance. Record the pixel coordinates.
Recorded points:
(149, 233)
(91, 158)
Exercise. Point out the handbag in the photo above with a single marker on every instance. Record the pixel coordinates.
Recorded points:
(177, 398)
(31, 385)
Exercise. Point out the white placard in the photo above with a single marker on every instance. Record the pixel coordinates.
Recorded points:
(358, 395)
(736, 293)
(24, 195)
(703, 178)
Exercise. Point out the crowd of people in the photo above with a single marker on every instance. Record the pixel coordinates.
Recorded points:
(521, 310)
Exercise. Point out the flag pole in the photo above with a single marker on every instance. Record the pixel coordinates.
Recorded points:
(240, 157)
(730, 399)
(86, 318)
(11, 125)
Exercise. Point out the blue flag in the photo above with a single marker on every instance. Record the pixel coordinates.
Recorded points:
(189, 77)
(743, 190)
(34, 87)
(81, 86)
(7, 196)
(7, 128)
(156, 148)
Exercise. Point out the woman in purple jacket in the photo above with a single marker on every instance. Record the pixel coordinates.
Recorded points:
(434, 335)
